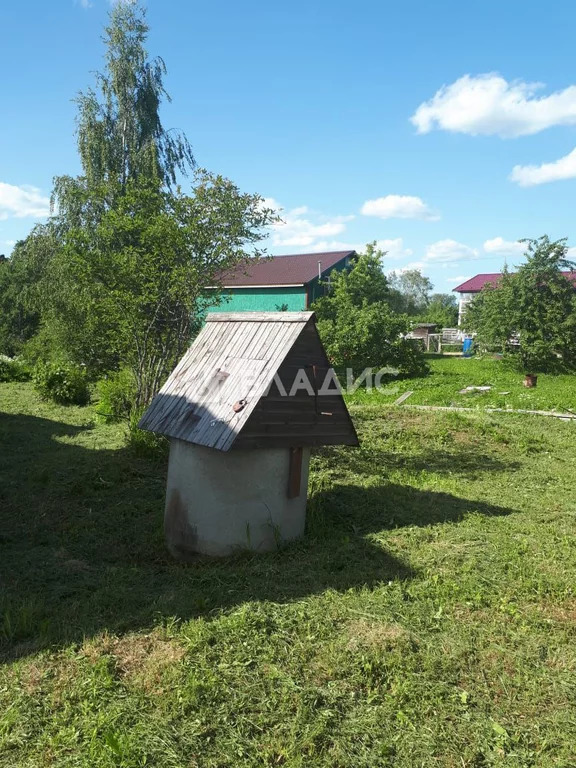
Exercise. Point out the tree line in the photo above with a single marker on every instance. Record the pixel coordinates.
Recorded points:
(115, 277)
(112, 285)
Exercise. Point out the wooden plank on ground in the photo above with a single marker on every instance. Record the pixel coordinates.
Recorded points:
(556, 414)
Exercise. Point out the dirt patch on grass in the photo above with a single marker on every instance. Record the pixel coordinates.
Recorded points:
(138, 658)
(563, 613)
(366, 633)
(32, 676)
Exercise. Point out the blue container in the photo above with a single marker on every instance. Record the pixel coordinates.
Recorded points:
(467, 347)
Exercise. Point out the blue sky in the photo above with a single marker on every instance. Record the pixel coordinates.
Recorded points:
(443, 130)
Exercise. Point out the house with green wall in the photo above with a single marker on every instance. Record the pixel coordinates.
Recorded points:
(281, 283)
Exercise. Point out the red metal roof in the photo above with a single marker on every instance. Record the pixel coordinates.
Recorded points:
(297, 269)
(478, 282)
(475, 284)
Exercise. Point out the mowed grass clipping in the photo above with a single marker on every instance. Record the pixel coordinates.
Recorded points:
(427, 619)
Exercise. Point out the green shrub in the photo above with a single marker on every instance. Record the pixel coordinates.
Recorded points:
(407, 356)
(145, 444)
(371, 337)
(534, 358)
(64, 384)
(13, 369)
(116, 395)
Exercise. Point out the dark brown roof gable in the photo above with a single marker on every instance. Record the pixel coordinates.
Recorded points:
(296, 269)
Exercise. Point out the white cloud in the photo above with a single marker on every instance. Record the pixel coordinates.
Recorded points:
(490, 105)
(335, 245)
(22, 202)
(457, 280)
(398, 207)
(419, 265)
(501, 247)
(302, 228)
(530, 175)
(446, 251)
(394, 249)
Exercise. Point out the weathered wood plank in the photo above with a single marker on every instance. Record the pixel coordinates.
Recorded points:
(403, 397)
(295, 473)
(259, 317)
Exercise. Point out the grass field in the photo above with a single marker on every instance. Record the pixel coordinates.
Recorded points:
(452, 374)
(428, 618)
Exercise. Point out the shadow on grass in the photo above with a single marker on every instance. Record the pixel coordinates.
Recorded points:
(466, 461)
(81, 542)
(386, 506)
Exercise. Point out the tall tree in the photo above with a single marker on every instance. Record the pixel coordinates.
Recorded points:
(132, 254)
(120, 134)
(365, 283)
(537, 303)
(21, 289)
(132, 288)
(412, 291)
(441, 309)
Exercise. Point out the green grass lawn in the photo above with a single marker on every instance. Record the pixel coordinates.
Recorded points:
(449, 375)
(428, 618)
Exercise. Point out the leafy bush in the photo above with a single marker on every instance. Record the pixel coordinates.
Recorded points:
(64, 384)
(13, 369)
(145, 444)
(358, 326)
(116, 395)
(409, 359)
(370, 336)
(537, 357)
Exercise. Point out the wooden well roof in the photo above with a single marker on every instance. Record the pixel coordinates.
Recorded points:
(232, 387)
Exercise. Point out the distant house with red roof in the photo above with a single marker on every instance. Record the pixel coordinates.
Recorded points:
(472, 287)
(280, 283)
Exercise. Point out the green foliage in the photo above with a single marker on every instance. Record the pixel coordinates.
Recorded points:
(13, 369)
(129, 288)
(370, 336)
(410, 291)
(145, 444)
(357, 325)
(120, 134)
(116, 395)
(411, 294)
(491, 315)
(63, 384)
(442, 309)
(20, 289)
(538, 304)
(116, 278)
(365, 283)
